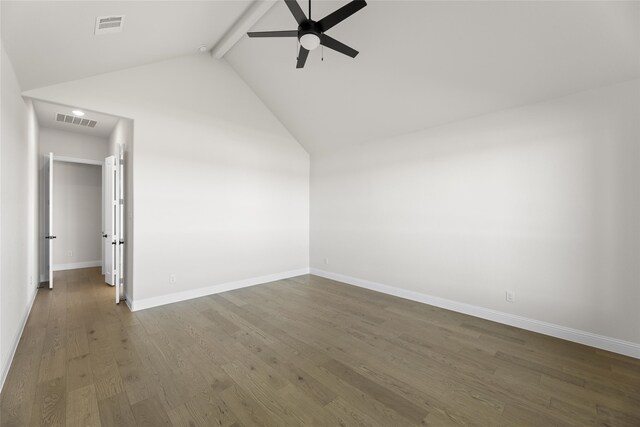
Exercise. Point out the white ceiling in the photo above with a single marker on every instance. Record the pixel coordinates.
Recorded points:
(421, 63)
(424, 63)
(46, 112)
(52, 41)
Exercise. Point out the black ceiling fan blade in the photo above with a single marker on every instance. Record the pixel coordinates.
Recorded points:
(292, 33)
(296, 11)
(302, 57)
(334, 44)
(341, 14)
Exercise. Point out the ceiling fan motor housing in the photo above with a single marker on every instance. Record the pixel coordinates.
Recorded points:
(309, 27)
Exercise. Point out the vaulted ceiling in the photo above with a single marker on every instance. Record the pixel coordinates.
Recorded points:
(421, 63)
(52, 42)
(424, 63)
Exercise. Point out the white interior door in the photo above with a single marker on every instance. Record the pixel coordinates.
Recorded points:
(103, 235)
(114, 222)
(49, 232)
(119, 224)
(109, 217)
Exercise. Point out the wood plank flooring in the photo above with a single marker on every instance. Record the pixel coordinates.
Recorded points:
(303, 351)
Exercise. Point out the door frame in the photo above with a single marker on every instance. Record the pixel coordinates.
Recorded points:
(66, 159)
(114, 167)
(113, 209)
(76, 160)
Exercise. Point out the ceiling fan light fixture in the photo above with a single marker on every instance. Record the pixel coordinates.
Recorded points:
(312, 34)
(310, 41)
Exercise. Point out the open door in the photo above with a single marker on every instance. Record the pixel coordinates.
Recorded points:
(109, 238)
(48, 223)
(119, 226)
(114, 222)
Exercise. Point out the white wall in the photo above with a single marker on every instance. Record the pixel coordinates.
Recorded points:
(543, 200)
(73, 144)
(18, 137)
(122, 135)
(221, 189)
(77, 215)
(33, 234)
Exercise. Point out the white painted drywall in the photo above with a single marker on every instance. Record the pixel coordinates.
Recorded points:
(17, 212)
(542, 200)
(77, 215)
(119, 136)
(123, 135)
(33, 235)
(73, 144)
(221, 189)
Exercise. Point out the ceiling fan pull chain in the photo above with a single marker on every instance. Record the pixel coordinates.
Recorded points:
(322, 58)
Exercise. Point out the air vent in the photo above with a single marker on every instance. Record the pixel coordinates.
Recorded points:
(109, 24)
(73, 120)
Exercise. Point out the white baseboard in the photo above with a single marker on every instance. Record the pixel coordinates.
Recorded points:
(74, 265)
(143, 304)
(587, 338)
(16, 340)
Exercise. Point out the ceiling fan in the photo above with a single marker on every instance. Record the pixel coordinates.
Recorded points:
(312, 33)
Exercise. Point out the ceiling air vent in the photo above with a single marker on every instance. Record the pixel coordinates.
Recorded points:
(73, 120)
(109, 24)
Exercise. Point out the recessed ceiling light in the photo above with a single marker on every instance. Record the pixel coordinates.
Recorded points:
(78, 113)
(203, 49)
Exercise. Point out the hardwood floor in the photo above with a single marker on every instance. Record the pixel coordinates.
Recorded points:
(303, 351)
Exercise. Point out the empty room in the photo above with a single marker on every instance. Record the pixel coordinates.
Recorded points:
(330, 213)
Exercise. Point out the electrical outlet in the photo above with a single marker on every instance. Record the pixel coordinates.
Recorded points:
(70, 254)
(326, 261)
(172, 278)
(510, 296)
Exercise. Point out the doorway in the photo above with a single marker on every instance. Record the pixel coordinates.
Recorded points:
(84, 217)
(113, 222)
(83, 196)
